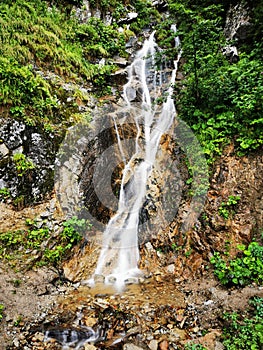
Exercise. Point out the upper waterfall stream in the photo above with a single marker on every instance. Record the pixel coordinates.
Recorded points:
(119, 257)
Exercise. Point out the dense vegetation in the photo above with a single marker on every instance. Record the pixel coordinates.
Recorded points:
(244, 332)
(44, 47)
(221, 100)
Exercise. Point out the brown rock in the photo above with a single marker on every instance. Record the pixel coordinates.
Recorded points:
(163, 345)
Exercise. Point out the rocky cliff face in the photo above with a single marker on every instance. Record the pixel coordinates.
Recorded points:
(27, 162)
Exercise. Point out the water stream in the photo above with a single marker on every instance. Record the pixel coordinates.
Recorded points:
(148, 83)
(119, 257)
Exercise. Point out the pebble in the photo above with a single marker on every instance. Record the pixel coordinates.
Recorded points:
(89, 347)
(131, 346)
(153, 344)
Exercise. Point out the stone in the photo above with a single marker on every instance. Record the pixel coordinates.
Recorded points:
(90, 321)
(170, 268)
(153, 344)
(176, 334)
(16, 342)
(149, 246)
(38, 337)
(3, 151)
(18, 150)
(219, 346)
(89, 347)
(131, 16)
(131, 280)
(11, 131)
(164, 345)
(131, 346)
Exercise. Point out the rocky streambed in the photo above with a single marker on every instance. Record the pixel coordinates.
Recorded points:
(180, 301)
(48, 308)
(157, 314)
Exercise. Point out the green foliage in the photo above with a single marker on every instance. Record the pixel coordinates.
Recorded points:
(192, 346)
(43, 48)
(18, 321)
(29, 239)
(227, 208)
(99, 39)
(4, 194)
(243, 270)
(242, 333)
(220, 100)
(104, 5)
(147, 14)
(27, 96)
(71, 235)
(1, 311)
(22, 164)
(51, 247)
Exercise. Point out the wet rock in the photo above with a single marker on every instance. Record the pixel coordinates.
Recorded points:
(12, 132)
(231, 53)
(131, 16)
(238, 23)
(34, 183)
(131, 43)
(161, 5)
(131, 280)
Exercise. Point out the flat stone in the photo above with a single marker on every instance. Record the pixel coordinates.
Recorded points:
(153, 344)
(89, 347)
(131, 346)
(3, 150)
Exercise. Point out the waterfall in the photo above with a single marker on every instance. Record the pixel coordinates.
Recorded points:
(119, 257)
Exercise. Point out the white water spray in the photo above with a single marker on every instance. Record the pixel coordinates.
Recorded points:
(119, 257)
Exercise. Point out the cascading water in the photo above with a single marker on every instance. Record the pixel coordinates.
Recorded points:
(119, 257)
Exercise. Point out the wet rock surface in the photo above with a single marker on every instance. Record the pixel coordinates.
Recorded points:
(157, 314)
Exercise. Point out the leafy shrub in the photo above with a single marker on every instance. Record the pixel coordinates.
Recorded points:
(227, 208)
(99, 39)
(71, 235)
(51, 247)
(222, 101)
(43, 48)
(22, 164)
(243, 333)
(243, 270)
(4, 194)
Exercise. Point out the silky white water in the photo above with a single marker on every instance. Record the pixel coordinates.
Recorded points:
(119, 257)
